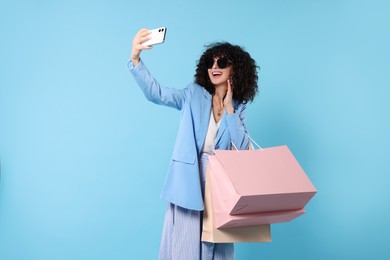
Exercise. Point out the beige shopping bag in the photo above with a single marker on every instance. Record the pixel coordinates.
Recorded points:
(258, 233)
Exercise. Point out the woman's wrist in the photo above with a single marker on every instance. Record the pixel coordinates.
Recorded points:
(230, 109)
(135, 55)
(135, 59)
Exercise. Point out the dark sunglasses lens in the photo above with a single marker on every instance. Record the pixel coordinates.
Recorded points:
(222, 63)
(209, 62)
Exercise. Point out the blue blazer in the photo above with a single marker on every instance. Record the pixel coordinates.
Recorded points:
(182, 185)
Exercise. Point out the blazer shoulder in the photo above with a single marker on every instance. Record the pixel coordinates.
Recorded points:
(194, 86)
(199, 90)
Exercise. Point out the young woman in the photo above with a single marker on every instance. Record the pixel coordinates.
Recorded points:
(212, 117)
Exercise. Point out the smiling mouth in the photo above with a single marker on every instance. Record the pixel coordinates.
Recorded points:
(216, 73)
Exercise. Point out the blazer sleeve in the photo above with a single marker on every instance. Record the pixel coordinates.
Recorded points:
(237, 128)
(153, 91)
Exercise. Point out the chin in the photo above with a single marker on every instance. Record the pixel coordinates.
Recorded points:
(219, 82)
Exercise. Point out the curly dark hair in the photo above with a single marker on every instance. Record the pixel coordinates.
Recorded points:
(244, 77)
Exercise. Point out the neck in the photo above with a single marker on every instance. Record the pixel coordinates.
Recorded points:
(218, 98)
(220, 91)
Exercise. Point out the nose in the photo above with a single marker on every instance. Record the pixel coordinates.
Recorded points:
(215, 64)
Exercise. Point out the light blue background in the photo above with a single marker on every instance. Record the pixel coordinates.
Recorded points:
(84, 155)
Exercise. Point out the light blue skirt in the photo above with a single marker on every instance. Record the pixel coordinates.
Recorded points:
(183, 229)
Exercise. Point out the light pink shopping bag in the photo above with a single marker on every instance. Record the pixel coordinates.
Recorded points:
(224, 221)
(256, 181)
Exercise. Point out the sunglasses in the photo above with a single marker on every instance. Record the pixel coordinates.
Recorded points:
(221, 62)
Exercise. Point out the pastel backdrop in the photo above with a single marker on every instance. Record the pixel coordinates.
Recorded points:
(84, 155)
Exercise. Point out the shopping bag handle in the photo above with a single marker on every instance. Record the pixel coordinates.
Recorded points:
(253, 141)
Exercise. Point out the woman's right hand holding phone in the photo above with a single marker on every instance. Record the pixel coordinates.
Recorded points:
(142, 36)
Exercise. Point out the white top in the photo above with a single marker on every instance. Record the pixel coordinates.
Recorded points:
(209, 143)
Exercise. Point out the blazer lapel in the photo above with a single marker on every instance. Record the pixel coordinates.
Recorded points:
(222, 128)
(205, 109)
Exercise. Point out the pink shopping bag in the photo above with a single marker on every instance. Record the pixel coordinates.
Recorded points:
(224, 221)
(258, 181)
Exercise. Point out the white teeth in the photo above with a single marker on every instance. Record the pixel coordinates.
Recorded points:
(217, 73)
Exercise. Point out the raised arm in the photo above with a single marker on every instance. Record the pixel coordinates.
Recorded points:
(236, 120)
(152, 90)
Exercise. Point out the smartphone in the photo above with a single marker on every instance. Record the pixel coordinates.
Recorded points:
(158, 36)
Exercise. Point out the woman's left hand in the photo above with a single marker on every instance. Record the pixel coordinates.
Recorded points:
(228, 100)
